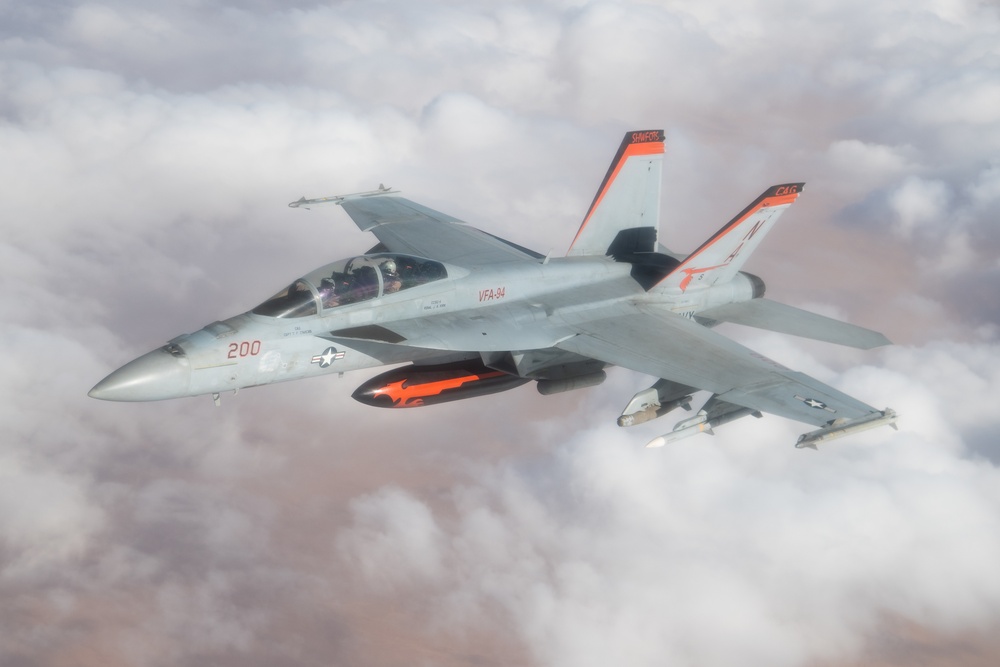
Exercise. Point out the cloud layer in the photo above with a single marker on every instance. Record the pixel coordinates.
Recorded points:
(146, 156)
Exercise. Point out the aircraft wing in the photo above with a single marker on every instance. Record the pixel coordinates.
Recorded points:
(407, 227)
(677, 349)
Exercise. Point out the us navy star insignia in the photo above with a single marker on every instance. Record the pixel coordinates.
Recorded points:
(813, 403)
(328, 357)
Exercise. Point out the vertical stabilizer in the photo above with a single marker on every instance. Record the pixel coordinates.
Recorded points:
(629, 196)
(720, 257)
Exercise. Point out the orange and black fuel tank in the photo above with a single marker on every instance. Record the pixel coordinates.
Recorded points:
(418, 385)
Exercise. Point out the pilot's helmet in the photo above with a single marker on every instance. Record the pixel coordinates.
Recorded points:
(389, 267)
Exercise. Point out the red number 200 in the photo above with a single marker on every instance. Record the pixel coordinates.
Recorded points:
(245, 349)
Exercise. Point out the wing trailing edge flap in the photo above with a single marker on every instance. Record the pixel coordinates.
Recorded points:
(684, 352)
(782, 318)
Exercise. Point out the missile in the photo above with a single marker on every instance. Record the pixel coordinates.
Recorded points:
(700, 423)
(840, 428)
(415, 386)
(338, 199)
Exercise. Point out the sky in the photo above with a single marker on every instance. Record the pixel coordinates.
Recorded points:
(147, 153)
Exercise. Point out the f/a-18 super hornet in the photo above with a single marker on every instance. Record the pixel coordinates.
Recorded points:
(473, 314)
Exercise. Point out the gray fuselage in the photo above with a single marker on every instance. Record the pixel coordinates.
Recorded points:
(497, 308)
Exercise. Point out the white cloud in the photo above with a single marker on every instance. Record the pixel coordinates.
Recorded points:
(791, 556)
(394, 538)
(973, 98)
(97, 25)
(147, 156)
(868, 162)
(918, 203)
(985, 191)
(46, 520)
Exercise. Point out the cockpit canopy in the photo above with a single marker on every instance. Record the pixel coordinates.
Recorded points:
(349, 281)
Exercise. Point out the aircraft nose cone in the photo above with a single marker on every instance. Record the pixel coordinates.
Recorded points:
(152, 377)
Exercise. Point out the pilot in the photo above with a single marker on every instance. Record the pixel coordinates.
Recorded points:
(390, 277)
(362, 284)
(328, 292)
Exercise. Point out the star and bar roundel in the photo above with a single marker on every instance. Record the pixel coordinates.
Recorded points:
(813, 403)
(329, 355)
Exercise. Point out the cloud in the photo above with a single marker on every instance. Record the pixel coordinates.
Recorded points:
(918, 202)
(396, 539)
(45, 520)
(792, 557)
(147, 156)
(868, 161)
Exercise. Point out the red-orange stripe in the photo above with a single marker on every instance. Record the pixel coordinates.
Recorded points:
(766, 203)
(403, 392)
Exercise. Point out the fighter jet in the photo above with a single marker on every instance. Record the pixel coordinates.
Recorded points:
(471, 314)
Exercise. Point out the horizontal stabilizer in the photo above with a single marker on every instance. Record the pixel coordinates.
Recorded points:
(774, 316)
